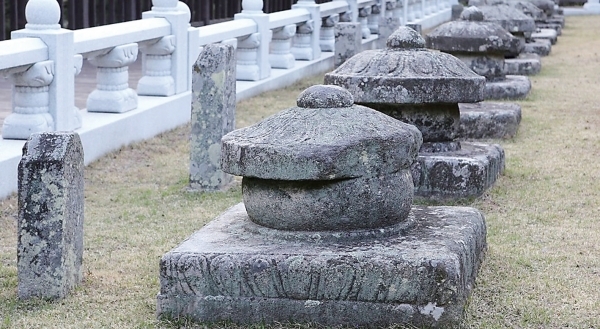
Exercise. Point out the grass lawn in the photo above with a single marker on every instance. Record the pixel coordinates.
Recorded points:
(542, 268)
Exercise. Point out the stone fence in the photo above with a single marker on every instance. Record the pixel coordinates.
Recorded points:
(42, 60)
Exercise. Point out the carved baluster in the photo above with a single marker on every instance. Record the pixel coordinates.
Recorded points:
(31, 100)
(346, 17)
(280, 56)
(247, 57)
(158, 77)
(363, 19)
(302, 45)
(112, 92)
(373, 19)
(327, 39)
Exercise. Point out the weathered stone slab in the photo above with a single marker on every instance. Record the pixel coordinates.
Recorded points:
(464, 173)
(213, 115)
(50, 228)
(489, 120)
(348, 41)
(540, 46)
(511, 87)
(524, 64)
(546, 34)
(235, 270)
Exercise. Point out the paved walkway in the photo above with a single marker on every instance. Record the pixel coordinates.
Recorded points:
(85, 83)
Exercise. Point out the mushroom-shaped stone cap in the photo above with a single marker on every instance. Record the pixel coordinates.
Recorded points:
(523, 6)
(321, 143)
(510, 18)
(472, 35)
(407, 73)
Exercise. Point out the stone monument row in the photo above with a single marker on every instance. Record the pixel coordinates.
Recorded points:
(326, 233)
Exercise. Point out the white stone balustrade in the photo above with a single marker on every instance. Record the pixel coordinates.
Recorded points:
(158, 74)
(328, 32)
(248, 52)
(363, 19)
(281, 46)
(112, 92)
(373, 19)
(302, 44)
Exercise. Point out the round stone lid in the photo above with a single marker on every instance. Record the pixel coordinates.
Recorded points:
(325, 137)
(407, 73)
(471, 34)
(527, 8)
(510, 18)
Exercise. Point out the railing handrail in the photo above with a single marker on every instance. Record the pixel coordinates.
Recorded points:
(286, 17)
(226, 30)
(334, 7)
(20, 52)
(108, 36)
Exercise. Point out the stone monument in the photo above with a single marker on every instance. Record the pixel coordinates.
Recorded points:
(482, 46)
(326, 233)
(50, 228)
(423, 87)
(213, 115)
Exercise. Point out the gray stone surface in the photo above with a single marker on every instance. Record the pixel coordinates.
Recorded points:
(524, 64)
(456, 10)
(213, 115)
(407, 73)
(546, 34)
(235, 270)
(348, 41)
(323, 141)
(489, 120)
(50, 227)
(511, 19)
(511, 87)
(465, 173)
(539, 46)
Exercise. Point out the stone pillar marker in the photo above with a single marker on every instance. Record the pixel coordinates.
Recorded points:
(50, 228)
(348, 41)
(213, 114)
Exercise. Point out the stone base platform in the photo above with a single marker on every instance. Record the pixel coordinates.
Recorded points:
(554, 26)
(546, 34)
(465, 173)
(512, 87)
(538, 46)
(419, 272)
(524, 64)
(489, 120)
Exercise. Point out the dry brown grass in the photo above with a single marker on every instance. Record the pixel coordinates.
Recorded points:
(543, 265)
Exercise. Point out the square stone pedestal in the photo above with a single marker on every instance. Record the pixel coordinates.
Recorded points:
(452, 175)
(419, 272)
(489, 120)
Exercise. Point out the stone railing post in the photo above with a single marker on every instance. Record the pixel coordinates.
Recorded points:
(158, 79)
(112, 92)
(253, 50)
(178, 15)
(373, 19)
(50, 225)
(328, 33)
(363, 19)
(281, 46)
(57, 77)
(308, 35)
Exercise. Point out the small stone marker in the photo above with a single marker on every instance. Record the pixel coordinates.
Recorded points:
(348, 41)
(213, 115)
(50, 230)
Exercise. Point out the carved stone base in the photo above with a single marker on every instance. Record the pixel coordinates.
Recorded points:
(465, 173)
(525, 64)
(156, 86)
(112, 101)
(489, 120)
(247, 72)
(21, 126)
(512, 87)
(420, 276)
